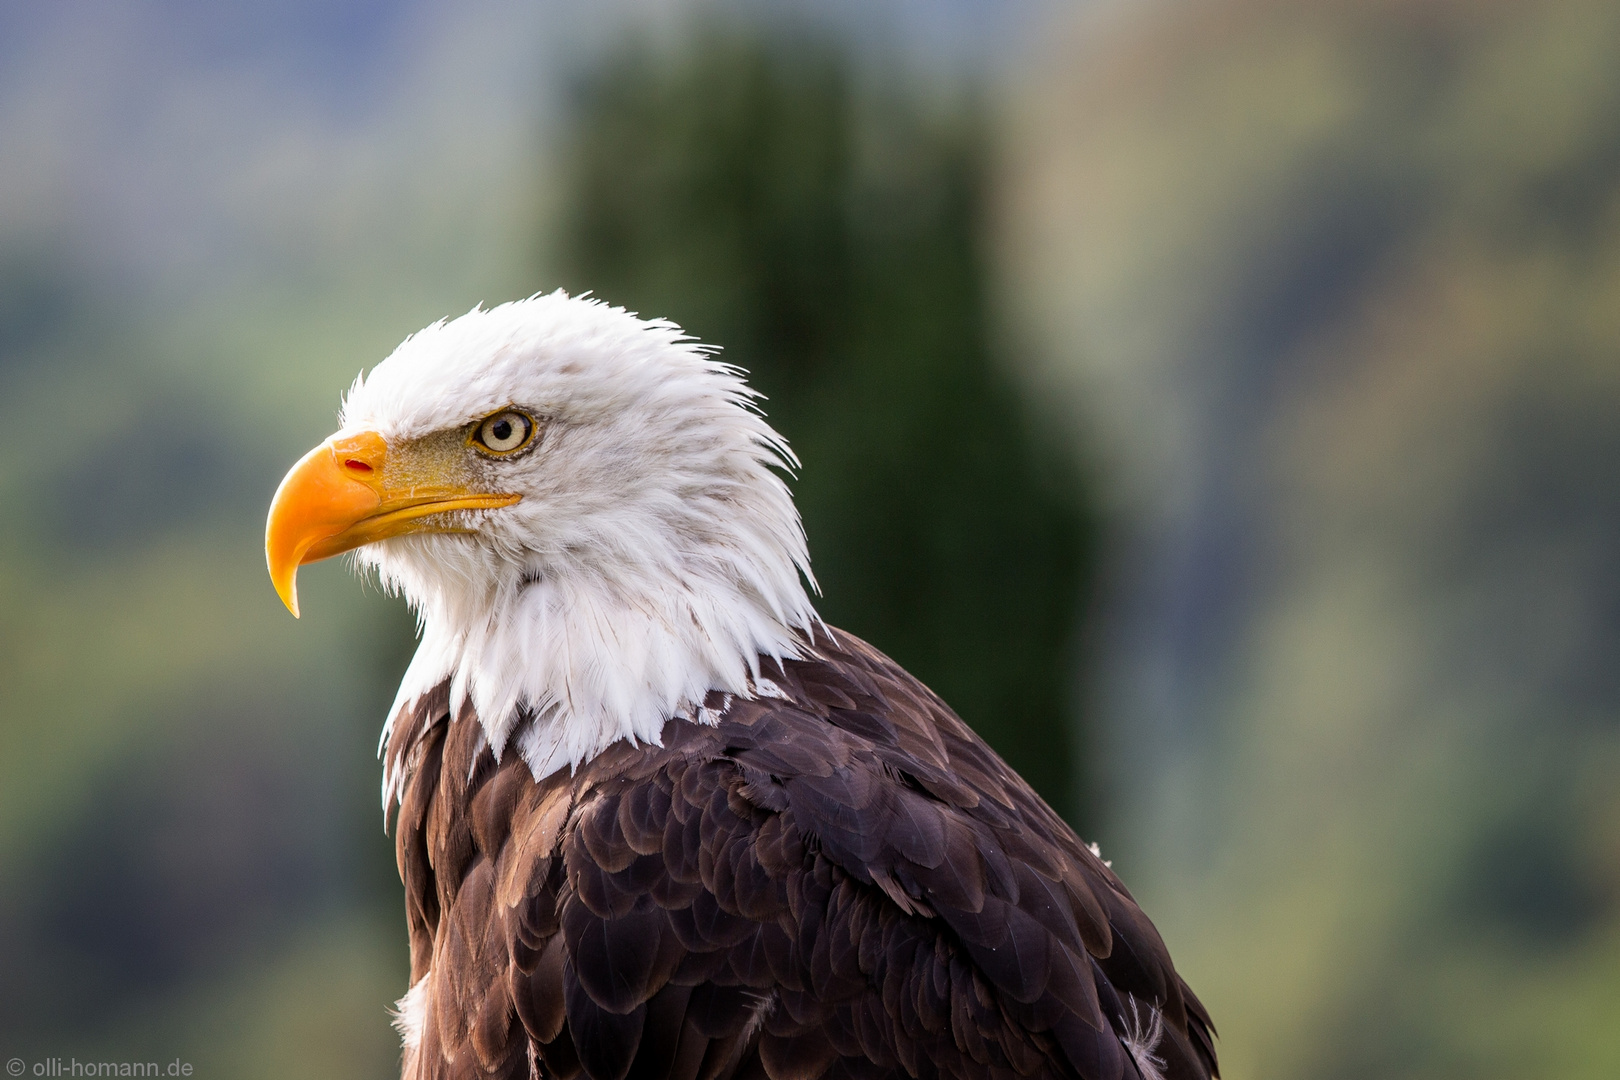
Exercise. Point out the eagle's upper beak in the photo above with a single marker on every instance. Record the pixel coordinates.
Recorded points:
(349, 491)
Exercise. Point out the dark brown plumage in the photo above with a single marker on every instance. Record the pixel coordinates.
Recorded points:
(841, 882)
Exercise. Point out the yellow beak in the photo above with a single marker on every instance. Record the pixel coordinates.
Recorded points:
(342, 495)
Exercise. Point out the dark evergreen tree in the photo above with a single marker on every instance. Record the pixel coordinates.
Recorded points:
(754, 189)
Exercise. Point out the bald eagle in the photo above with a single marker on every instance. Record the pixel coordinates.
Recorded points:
(655, 819)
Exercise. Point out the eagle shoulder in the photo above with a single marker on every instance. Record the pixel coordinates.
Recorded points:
(836, 879)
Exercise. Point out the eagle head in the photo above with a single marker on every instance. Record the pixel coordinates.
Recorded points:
(584, 508)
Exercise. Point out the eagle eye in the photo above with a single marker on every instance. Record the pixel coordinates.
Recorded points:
(503, 433)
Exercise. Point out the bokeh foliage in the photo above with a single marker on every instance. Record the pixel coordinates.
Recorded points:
(191, 864)
(1349, 277)
(826, 231)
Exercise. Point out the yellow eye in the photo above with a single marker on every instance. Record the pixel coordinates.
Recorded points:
(504, 432)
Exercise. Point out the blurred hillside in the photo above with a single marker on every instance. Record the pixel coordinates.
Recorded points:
(1337, 285)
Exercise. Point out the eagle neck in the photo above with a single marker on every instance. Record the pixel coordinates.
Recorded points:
(559, 668)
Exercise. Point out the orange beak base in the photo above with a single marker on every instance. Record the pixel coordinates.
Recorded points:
(337, 498)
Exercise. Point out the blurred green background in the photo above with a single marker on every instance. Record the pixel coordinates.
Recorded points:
(1218, 403)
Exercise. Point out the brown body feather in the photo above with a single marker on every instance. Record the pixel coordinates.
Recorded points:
(843, 882)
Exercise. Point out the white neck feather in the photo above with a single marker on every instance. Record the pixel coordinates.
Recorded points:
(560, 669)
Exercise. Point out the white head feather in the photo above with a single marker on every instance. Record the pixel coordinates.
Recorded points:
(655, 554)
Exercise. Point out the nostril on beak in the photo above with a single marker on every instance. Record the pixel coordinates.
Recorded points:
(357, 465)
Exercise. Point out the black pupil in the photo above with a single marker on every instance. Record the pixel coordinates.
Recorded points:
(502, 430)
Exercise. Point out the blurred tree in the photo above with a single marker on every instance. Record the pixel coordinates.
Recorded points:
(757, 191)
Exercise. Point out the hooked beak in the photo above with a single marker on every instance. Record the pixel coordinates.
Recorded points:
(342, 495)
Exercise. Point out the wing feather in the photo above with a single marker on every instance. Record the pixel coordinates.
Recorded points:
(839, 883)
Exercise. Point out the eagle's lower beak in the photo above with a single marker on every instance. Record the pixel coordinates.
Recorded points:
(339, 497)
